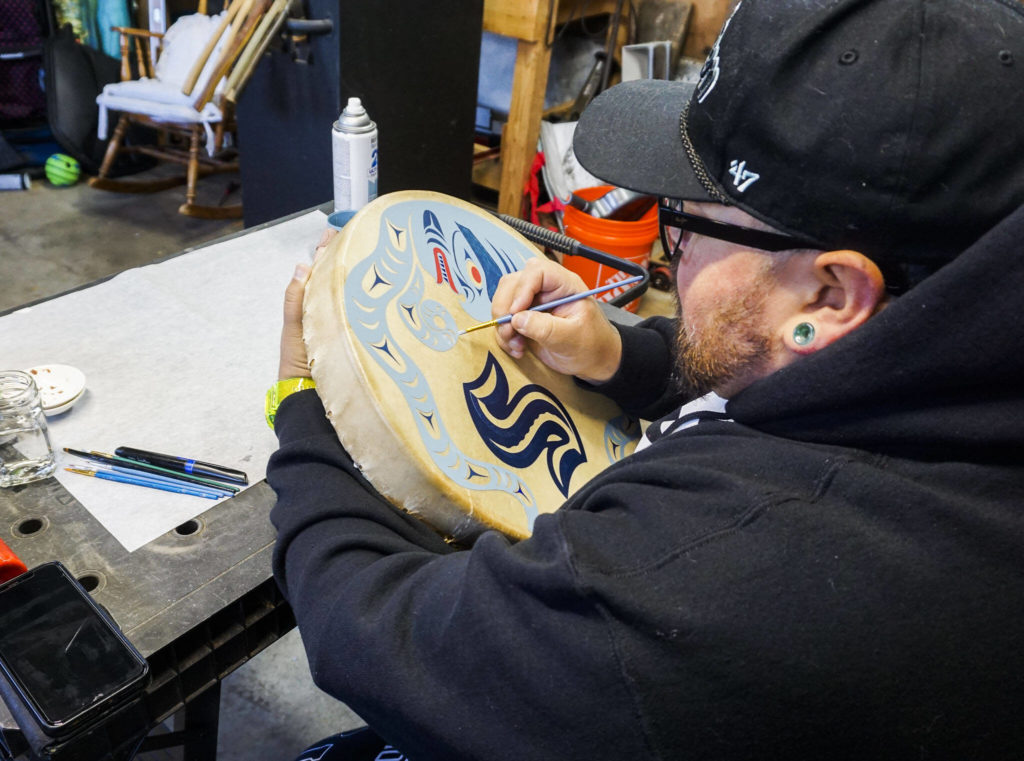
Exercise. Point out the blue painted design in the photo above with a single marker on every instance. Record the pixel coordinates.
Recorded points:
(413, 249)
(378, 280)
(385, 348)
(619, 433)
(396, 234)
(521, 427)
(492, 272)
(469, 266)
(427, 320)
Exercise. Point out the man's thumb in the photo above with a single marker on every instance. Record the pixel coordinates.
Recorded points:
(293, 294)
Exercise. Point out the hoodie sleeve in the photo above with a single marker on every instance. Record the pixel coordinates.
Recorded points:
(444, 653)
(646, 383)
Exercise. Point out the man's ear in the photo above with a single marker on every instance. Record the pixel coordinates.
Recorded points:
(846, 288)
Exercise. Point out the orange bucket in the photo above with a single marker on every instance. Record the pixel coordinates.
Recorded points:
(627, 240)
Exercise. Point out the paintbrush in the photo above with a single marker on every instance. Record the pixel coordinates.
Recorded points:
(124, 462)
(556, 303)
(162, 486)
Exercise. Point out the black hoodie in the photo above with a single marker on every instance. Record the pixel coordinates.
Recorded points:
(838, 572)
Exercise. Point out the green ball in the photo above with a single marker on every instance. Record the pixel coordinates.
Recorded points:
(61, 169)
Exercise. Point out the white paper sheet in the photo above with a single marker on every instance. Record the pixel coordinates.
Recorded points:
(177, 357)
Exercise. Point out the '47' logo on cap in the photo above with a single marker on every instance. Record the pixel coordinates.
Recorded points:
(742, 178)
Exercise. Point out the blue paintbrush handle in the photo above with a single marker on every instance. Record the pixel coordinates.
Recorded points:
(121, 478)
(577, 296)
(144, 476)
(557, 302)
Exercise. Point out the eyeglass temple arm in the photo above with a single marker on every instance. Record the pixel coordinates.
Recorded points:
(567, 245)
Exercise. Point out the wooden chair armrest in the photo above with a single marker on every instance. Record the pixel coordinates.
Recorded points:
(136, 32)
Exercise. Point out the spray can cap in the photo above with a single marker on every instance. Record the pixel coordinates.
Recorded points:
(354, 118)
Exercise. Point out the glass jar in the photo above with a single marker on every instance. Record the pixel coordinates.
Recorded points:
(25, 451)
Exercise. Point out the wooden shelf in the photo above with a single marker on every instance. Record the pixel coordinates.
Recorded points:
(528, 21)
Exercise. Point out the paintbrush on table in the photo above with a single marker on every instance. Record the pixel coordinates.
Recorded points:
(183, 488)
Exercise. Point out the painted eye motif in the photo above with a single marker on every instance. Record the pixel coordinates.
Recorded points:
(471, 268)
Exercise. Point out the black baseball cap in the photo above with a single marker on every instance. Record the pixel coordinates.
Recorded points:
(893, 127)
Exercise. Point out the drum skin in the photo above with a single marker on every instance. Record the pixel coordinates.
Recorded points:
(447, 427)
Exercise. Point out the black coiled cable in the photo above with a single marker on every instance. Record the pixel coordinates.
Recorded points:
(572, 247)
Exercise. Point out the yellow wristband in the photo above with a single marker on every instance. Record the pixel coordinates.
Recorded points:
(282, 389)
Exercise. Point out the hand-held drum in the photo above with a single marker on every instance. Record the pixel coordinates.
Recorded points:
(447, 427)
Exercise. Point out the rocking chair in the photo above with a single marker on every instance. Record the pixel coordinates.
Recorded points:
(188, 96)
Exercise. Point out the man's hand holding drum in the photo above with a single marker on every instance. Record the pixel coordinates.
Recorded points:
(293, 362)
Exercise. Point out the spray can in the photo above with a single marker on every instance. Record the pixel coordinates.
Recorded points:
(15, 181)
(354, 141)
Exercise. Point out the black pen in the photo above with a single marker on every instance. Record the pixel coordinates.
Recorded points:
(184, 465)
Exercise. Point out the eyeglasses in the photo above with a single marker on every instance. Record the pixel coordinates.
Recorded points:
(677, 226)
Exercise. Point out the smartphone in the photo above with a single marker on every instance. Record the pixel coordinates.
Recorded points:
(64, 657)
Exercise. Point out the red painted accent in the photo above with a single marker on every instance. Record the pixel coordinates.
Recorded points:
(443, 270)
(438, 255)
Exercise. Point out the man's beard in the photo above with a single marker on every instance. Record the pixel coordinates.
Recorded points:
(730, 340)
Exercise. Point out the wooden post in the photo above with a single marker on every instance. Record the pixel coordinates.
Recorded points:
(114, 145)
(519, 136)
(705, 23)
(126, 64)
(193, 165)
(531, 22)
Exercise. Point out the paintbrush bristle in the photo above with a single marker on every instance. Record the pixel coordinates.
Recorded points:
(479, 326)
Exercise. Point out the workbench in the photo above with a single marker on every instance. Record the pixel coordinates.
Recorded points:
(198, 601)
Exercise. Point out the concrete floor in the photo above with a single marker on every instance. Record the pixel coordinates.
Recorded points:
(55, 239)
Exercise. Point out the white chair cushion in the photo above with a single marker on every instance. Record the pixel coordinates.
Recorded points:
(148, 91)
(183, 43)
(157, 100)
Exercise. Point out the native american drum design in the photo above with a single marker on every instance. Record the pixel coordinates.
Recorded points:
(447, 427)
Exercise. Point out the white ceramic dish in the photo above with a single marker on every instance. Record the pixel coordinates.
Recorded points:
(60, 386)
(51, 411)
